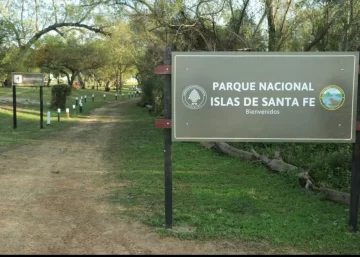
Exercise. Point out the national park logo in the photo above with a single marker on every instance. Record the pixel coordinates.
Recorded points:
(332, 97)
(194, 97)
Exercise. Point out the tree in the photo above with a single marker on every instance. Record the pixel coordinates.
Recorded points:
(124, 52)
(70, 58)
(24, 22)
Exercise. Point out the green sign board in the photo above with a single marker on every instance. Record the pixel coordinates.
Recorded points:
(27, 79)
(264, 97)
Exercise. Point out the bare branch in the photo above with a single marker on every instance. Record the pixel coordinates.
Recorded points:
(65, 24)
(22, 18)
(36, 15)
(55, 11)
(7, 4)
(320, 36)
(284, 17)
(210, 13)
(259, 24)
(242, 16)
(87, 13)
(271, 24)
(231, 8)
(59, 32)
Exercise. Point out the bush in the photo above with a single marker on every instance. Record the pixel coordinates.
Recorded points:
(59, 93)
(153, 93)
(152, 85)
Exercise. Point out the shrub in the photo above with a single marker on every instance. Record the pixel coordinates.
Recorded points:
(59, 93)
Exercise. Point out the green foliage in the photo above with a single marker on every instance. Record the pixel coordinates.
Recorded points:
(72, 57)
(59, 93)
(153, 93)
(152, 85)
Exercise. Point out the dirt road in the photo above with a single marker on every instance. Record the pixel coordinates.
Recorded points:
(52, 201)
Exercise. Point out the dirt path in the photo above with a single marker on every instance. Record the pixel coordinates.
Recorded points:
(51, 201)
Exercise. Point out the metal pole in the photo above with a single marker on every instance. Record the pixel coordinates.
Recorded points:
(355, 182)
(167, 142)
(41, 107)
(355, 185)
(14, 108)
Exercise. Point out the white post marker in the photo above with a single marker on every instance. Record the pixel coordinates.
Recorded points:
(67, 113)
(48, 118)
(58, 110)
(104, 96)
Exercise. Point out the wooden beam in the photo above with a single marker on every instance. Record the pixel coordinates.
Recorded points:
(162, 123)
(162, 69)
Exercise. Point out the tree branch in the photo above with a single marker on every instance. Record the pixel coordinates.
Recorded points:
(242, 16)
(258, 26)
(284, 17)
(64, 24)
(320, 36)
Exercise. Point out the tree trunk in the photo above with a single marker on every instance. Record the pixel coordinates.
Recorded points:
(107, 87)
(279, 166)
(120, 80)
(117, 81)
(82, 83)
(271, 25)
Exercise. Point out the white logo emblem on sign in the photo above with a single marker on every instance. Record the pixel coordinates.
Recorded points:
(17, 79)
(194, 97)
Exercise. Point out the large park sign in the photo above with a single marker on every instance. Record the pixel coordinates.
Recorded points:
(264, 97)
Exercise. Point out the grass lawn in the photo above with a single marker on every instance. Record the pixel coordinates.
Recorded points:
(218, 197)
(28, 113)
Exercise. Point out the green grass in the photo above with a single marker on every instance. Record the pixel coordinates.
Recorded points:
(330, 164)
(126, 89)
(220, 196)
(28, 113)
